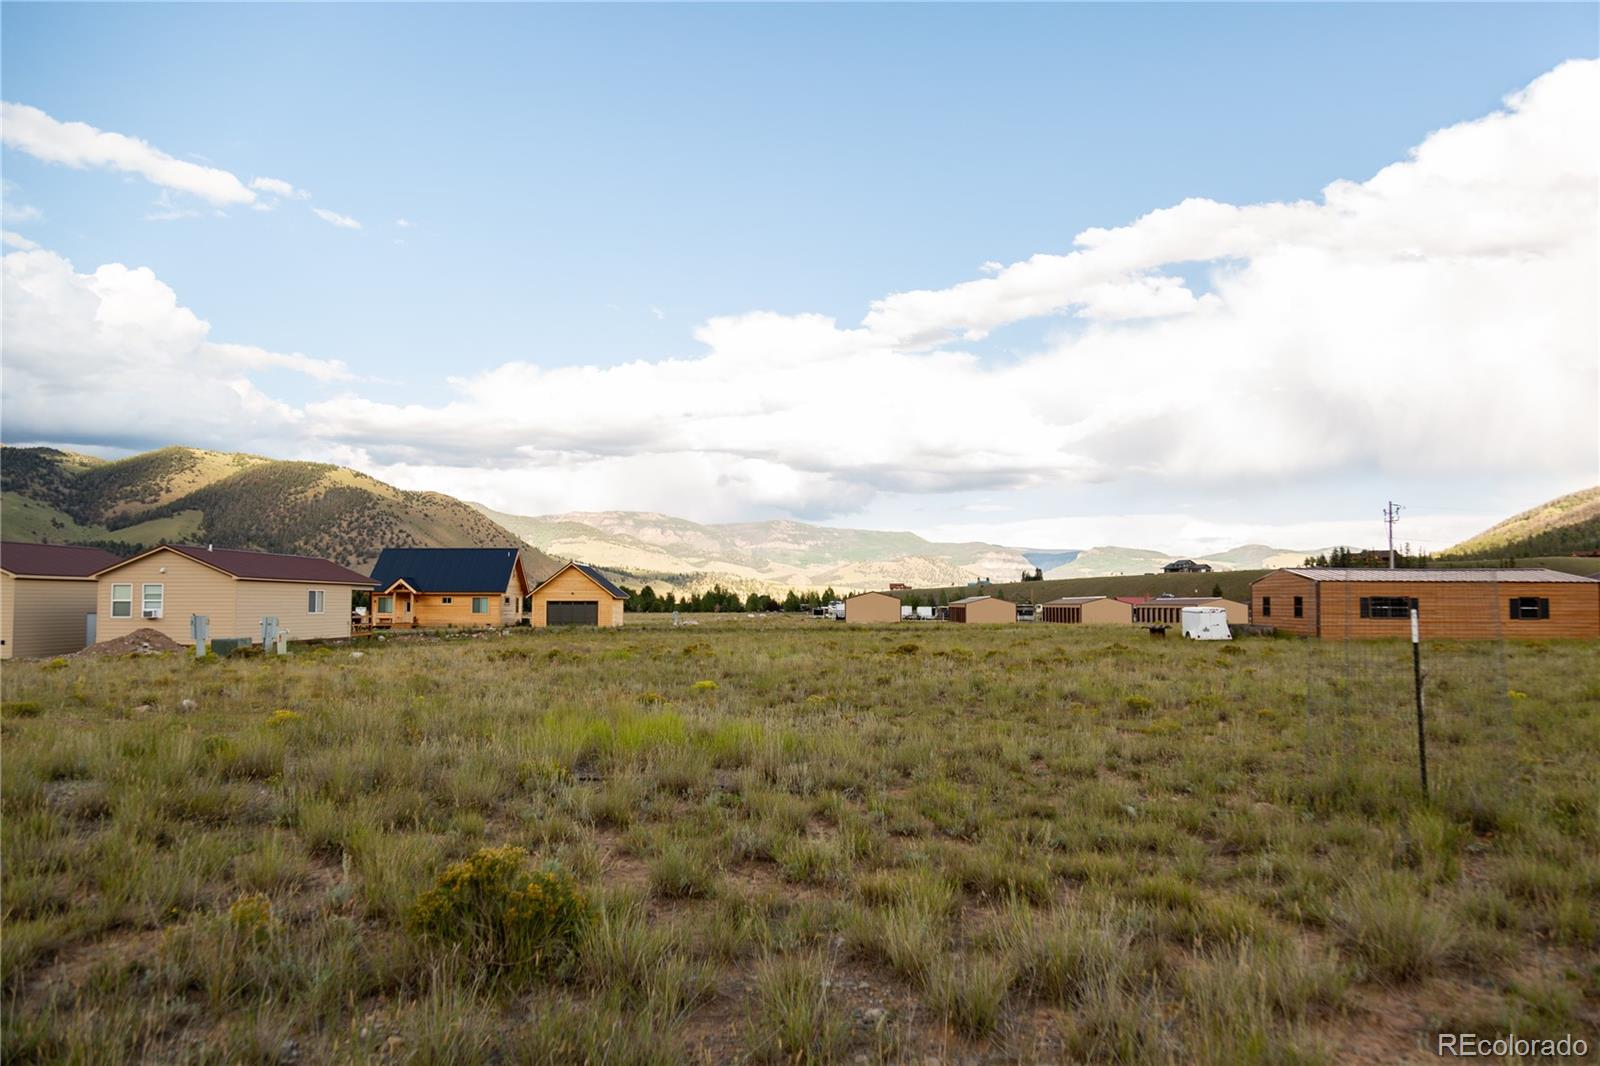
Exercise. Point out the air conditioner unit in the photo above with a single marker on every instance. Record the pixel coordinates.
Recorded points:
(152, 614)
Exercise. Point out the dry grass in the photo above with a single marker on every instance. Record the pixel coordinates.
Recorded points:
(1018, 843)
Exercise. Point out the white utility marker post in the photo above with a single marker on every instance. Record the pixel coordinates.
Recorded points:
(1416, 672)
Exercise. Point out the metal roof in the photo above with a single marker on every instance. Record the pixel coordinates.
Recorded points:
(53, 560)
(1071, 601)
(1530, 574)
(1182, 601)
(446, 569)
(969, 599)
(261, 566)
(589, 572)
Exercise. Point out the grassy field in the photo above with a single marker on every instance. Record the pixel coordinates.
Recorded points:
(788, 840)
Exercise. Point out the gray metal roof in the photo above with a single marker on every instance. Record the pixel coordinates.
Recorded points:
(1530, 574)
(1071, 601)
(970, 599)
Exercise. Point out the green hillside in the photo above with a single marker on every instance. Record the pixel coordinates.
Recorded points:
(1564, 525)
(1235, 585)
(240, 501)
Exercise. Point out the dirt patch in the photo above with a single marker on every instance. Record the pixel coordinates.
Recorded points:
(139, 642)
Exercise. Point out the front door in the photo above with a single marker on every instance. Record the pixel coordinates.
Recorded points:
(572, 613)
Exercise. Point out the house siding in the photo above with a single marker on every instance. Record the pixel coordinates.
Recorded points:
(286, 601)
(574, 584)
(1282, 588)
(43, 616)
(190, 589)
(872, 607)
(1458, 609)
(431, 610)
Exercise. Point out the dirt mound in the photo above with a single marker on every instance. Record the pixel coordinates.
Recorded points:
(139, 642)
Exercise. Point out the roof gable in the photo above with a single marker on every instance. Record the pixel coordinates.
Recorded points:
(592, 574)
(447, 569)
(53, 560)
(257, 566)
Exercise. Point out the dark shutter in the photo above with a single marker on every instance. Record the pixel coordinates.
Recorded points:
(1414, 606)
(1544, 608)
(1516, 607)
(1366, 607)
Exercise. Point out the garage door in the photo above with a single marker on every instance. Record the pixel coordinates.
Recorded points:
(572, 612)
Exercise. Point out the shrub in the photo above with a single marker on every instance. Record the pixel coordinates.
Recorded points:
(796, 1019)
(20, 709)
(704, 686)
(488, 906)
(1386, 922)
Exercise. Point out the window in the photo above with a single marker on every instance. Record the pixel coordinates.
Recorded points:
(508, 599)
(1529, 608)
(154, 599)
(314, 601)
(121, 601)
(1387, 606)
(1266, 607)
(480, 605)
(386, 605)
(446, 599)
(1299, 606)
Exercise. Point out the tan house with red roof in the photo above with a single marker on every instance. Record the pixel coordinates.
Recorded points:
(47, 597)
(160, 589)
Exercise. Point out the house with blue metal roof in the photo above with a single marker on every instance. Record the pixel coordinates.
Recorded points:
(450, 587)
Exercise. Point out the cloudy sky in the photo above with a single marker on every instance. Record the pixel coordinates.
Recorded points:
(1174, 277)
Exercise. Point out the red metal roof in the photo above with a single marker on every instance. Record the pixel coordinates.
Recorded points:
(265, 566)
(53, 560)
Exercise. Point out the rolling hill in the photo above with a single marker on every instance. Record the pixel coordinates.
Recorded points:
(242, 501)
(1567, 524)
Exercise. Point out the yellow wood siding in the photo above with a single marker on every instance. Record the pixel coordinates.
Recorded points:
(574, 584)
(872, 607)
(287, 601)
(431, 610)
(44, 616)
(1459, 609)
(1282, 587)
(190, 588)
(511, 601)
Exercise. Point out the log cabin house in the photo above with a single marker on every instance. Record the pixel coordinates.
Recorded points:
(463, 587)
(1336, 603)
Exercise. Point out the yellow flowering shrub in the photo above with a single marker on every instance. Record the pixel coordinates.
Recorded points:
(252, 918)
(492, 908)
(283, 716)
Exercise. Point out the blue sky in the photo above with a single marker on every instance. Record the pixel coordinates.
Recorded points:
(588, 186)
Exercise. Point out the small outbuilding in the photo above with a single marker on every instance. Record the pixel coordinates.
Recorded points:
(873, 607)
(449, 587)
(1168, 610)
(161, 588)
(1088, 610)
(981, 609)
(47, 595)
(577, 595)
(1337, 603)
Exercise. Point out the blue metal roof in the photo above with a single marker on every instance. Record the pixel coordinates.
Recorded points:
(446, 569)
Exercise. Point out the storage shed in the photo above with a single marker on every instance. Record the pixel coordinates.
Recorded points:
(577, 595)
(1337, 603)
(981, 609)
(47, 598)
(159, 589)
(872, 607)
(1088, 610)
(1168, 610)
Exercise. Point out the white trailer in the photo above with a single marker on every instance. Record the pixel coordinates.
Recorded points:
(1206, 623)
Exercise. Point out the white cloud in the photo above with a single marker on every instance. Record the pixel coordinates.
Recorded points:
(165, 209)
(18, 241)
(81, 146)
(333, 218)
(279, 187)
(1438, 319)
(113, 357)
(658, 314)
(402, 223)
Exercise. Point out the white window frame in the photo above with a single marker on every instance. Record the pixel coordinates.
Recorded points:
(161, 598)
(477, 600)
(316, 601)
(115, 602)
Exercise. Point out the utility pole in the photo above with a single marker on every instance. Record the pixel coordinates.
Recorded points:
(1391, 515)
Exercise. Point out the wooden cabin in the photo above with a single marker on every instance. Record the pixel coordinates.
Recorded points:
(1088, 610)
(161, 588)
(47, 598)
(577, 595)
(463, 587)
(1168, 610)
(872, 607)
(1338, 603)
(981, 609)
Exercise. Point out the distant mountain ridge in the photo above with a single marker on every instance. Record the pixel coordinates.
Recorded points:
(671, 552)
(1566, 524)
(182, 494)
